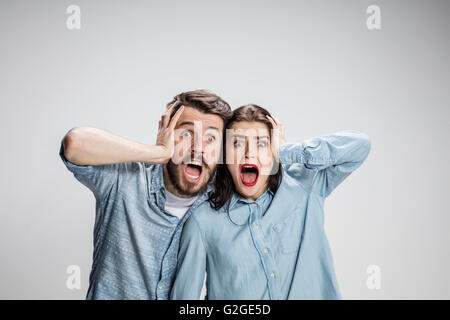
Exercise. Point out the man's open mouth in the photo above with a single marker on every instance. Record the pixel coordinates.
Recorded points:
(193, 171)
(249, 174)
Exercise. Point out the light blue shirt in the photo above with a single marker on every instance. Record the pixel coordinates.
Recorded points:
(135, 240)
(274, 247)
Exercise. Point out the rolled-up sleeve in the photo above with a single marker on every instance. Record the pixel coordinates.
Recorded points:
(99, 179)
(325, 160)
(191, 267)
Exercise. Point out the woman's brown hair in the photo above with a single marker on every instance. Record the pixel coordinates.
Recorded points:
(223, 182)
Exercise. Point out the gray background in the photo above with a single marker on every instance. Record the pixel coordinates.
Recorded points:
(314, 64)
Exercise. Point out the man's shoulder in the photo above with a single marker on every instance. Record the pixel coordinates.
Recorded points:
(138, 168)
(139, 174)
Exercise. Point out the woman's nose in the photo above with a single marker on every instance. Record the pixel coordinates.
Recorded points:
(250, 151)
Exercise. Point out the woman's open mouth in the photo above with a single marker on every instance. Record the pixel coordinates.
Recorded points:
(192, 172)
(249, 174)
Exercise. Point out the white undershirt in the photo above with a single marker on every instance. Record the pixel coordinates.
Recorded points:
(178, 206)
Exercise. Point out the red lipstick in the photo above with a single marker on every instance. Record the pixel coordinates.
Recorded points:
(249, 174)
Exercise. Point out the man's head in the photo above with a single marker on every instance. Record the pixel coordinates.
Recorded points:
(198, 141)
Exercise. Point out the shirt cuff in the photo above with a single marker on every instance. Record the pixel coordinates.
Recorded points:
(290, 153)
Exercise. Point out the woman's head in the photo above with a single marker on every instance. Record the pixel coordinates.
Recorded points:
(250, 167)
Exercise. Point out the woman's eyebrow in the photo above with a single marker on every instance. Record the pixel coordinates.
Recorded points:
(261, 137)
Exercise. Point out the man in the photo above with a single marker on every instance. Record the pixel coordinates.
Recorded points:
(145, 193)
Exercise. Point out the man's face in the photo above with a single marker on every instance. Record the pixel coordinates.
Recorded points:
(197, 146)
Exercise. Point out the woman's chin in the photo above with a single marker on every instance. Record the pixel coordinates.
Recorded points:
(249, 192)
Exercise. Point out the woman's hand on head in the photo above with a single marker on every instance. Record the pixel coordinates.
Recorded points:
(278, 137)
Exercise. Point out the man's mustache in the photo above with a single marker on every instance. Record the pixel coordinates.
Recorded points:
(195, 158)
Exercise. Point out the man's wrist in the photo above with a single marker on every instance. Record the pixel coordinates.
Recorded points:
(157, 154)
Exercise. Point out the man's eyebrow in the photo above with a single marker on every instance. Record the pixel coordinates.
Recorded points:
(262, 137)
(186, 123)
(190, 123)
(214, 128)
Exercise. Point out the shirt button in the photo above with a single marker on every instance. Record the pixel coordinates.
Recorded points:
(255, 204)
(272, 275)
(265, 250)
(256, 226)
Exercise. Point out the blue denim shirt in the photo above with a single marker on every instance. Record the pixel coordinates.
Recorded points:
(274, 247)
(135, 240)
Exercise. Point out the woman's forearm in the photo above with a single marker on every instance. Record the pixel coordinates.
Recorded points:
(321, 152)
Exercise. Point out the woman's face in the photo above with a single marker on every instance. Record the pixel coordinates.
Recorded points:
(249, 157)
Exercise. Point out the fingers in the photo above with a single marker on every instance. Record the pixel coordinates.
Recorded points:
(276, 123)
(272, 121)
(175, 118)
(165, 118)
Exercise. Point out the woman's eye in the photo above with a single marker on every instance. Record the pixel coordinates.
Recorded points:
(262, 144)
(238, 144)
(210, 138)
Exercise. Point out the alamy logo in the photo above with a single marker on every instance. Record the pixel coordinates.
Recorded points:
(374, 19)
(374, 280)
(74, 279)
(73, 21)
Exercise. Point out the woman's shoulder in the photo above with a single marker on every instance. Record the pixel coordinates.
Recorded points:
(204, 214)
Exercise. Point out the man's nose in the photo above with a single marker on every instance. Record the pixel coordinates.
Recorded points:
(197, 146)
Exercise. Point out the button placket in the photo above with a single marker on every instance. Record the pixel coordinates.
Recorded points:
(266, 259)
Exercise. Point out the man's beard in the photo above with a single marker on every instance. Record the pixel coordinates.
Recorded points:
(174, 177)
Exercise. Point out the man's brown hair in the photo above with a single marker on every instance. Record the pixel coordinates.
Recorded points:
(203, 101)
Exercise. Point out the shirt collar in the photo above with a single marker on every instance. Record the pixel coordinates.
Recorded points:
(239, 212)
(157, 180)
(235, 198)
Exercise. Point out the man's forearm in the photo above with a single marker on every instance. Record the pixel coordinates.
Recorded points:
(91, 146)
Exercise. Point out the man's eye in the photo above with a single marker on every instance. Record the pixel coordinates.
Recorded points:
(210, 138)
(186, 134)
(238, 144)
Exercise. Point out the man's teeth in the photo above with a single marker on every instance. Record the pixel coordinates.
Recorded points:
(191, 176)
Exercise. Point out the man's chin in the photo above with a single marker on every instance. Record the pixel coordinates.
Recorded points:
(188, 188)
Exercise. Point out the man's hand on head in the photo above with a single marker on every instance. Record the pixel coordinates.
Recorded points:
(166, 129)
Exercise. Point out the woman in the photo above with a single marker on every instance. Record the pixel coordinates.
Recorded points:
(261, 235)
